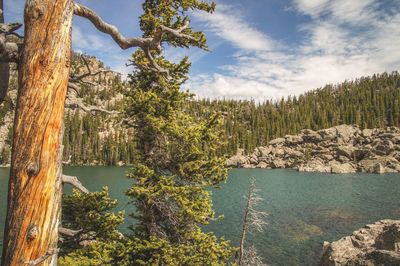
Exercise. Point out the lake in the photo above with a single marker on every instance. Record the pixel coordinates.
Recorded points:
(304, 209)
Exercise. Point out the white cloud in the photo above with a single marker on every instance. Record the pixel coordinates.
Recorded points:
(230, 25)
(311, 7)
(88, 41)
(343, 40)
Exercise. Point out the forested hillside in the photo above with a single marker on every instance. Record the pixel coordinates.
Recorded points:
(94, 137)
(99, 138)
(368, 102)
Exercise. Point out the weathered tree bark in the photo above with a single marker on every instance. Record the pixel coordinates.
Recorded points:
(4, 67)
(34, 200)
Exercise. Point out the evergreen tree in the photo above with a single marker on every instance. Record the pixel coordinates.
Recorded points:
(174, 167)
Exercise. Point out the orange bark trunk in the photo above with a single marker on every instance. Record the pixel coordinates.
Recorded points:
(34, 200)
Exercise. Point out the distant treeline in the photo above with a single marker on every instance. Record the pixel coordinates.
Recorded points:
(368, 102)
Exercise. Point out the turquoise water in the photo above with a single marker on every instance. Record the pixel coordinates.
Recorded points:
(304, 209)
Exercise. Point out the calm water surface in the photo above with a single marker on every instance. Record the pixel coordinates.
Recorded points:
(304, 209)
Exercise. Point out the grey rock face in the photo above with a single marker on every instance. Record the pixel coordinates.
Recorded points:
(375, 244)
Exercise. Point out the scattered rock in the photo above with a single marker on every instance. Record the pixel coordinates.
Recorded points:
(315, 166)
(262, 165)
(366, 133)
(347, 151)
(338, 168)
(278, 163)
(341, 149)
(237, 160)
(375, 244)
(277, 141)
(294, 139)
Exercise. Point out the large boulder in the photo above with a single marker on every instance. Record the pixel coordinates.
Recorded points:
(277, 141)
(347, 151)
(238, 160)
(341, 168)
(315, 166)
(278, 163)
(345, 133)
(278, 151)
(264, 151)
(367, 133)
(383, 147)
(375, 244)
(328, 134)
(291, 153)
(294, 139)
(378, 165)
(263, 165)
(361, 154)
(309, 135)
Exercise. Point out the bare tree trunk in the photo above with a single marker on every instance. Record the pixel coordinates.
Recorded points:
(34, 199)
(4, 67)
(244, 226)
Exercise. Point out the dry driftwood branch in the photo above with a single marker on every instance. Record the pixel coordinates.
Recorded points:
(74, 181)
(48, 254)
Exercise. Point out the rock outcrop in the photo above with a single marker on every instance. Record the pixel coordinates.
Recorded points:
(375, 244)
(341, 149)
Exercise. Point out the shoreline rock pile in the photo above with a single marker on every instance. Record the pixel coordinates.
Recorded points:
(375, 244)
(341, 149)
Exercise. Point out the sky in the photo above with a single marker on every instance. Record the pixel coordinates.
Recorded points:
(261, 49)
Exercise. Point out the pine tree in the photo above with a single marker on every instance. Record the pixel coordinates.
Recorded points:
(174, 168)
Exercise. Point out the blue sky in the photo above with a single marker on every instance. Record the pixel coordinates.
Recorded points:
(262, 48)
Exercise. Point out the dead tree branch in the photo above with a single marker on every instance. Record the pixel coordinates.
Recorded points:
(74, 181)
(74, 102)
(146, 44)
(69, 232)
(252, 219)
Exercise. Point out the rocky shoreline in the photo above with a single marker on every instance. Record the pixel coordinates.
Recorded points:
(341, 149)
(375, 244)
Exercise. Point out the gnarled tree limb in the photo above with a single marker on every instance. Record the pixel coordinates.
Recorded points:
(77, 103)
(146, 44)
(74, 181)
(68, 232)
(109, 29)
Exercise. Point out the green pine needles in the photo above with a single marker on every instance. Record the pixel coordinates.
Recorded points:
(175, 168)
